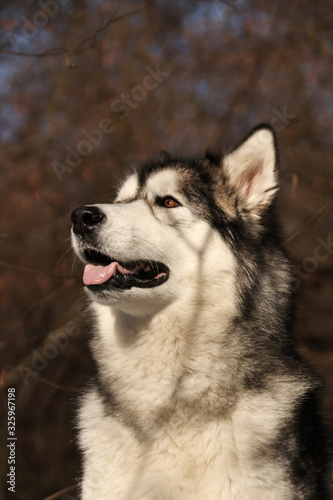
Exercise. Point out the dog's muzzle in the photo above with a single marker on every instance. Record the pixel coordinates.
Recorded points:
(102, 271)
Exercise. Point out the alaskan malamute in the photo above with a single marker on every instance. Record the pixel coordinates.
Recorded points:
(200, 394)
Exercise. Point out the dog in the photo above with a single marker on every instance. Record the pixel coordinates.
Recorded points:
(199, 392)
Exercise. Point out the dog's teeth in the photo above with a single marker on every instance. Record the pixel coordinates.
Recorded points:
(147, 268)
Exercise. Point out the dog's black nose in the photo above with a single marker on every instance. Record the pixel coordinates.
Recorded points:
(86, 218)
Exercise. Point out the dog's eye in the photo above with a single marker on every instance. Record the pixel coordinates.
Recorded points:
(169, 202)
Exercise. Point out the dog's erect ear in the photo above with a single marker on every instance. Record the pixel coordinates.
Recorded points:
(251, 170)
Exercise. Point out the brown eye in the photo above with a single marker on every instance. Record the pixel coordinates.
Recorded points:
(170, 203)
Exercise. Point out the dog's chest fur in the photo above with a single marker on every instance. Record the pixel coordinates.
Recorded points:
(173, 431)
(218, 459)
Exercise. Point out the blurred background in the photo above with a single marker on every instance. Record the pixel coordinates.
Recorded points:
(86, 89)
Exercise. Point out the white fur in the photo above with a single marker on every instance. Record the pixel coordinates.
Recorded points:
(163, 183)
(129, 188)
(185, 461)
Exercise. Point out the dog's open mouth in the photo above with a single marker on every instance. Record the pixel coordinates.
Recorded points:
(103, 272)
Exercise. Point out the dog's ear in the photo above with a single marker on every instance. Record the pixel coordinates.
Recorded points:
(251, 170)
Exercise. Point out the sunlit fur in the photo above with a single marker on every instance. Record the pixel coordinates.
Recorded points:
(199, 393)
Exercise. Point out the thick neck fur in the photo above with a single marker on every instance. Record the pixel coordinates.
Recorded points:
(169, 360)
(171, 364)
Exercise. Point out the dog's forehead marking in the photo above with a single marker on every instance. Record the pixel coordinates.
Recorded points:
(163, 182)
(129, 189)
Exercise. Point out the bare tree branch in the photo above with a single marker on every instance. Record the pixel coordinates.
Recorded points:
(53, 384)
(80, 47)
(313, 217)
(35, 271)
(61, 492)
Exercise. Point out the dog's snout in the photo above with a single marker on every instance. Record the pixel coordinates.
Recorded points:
(86, 218)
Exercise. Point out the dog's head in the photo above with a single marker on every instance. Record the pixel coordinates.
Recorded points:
(174, 225)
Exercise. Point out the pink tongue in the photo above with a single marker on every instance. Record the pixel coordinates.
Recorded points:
(95, 275)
